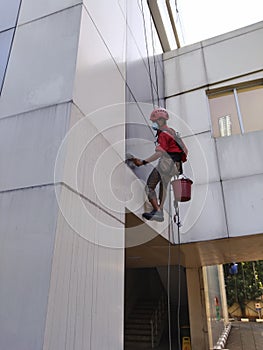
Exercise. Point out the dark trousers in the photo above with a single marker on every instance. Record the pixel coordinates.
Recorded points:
(157, 177)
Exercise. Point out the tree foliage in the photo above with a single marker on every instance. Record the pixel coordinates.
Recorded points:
(245, 284)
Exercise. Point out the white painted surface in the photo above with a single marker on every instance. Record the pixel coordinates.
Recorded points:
(138, 124)
(92, 166)
(31, 10)
(98, 82)
(192, 112)
(237, 80)
(240, 155)
(224, 57)
(43, 55)
(112, 30)
(29, 144)
(8, 13)
(244, 205)
(187, 70)
(234, 56)
(86, 306)
(27, 232)
(202, 165)
(203, 217)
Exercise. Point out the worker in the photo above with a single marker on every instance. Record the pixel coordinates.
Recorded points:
(171, 152)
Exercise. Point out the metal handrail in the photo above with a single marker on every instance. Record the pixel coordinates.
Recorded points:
(157, 317)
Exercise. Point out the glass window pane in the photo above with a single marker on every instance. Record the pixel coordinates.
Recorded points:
(251, 107)
(222, 105)
(225, 125)
(8, 13)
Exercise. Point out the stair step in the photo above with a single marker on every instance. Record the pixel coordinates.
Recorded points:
(146, 306)
(138, 337)
(137, 321)
(133, 331)
(140, 316)
(137, 326)
(130, 345)
(142, 310)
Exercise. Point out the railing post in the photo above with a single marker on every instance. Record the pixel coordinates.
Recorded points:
(156, 319)
(152, 336)
(156, 322)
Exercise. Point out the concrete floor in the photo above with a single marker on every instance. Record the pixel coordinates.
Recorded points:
(245, 336)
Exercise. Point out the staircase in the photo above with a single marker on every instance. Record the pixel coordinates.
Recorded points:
(145, 324)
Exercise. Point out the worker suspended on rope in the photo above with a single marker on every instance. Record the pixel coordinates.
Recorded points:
(171, 152)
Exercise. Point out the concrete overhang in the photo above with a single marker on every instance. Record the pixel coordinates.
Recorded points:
(153, 249)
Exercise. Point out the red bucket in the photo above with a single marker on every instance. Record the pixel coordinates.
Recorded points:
(182, 189)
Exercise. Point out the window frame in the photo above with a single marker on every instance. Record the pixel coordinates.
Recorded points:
(234, 89)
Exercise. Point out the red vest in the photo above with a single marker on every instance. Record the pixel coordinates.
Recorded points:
(169, 141)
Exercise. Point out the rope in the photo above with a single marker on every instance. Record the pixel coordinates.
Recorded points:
(155, 65)
(119, 69)
(176, 7)
(178, 223)
(178, 17)
(147, 51)
(168, 272)
(170, 226)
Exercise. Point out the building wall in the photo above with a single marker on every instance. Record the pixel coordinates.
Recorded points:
(86, 299)
(34, 118)
(144, 77)
(62, 110)
(227, 171)
(227, 179)
(144, 69)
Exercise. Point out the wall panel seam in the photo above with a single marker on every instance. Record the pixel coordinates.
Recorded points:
(61, 183)
(49, 14)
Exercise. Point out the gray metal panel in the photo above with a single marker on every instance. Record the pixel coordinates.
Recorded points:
(5, 46)
(42, 63)
(8, 13)
(240, 155)
(30, 10)
(27, 230)
(29, 145)
(99, 79)
(86, 306)
(90, 165)
(244, 205)
(112, 30)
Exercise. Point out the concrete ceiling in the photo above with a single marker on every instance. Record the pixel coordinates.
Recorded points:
(154, 251)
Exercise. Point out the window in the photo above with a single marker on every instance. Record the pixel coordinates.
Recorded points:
(225, 125)
(236, 109)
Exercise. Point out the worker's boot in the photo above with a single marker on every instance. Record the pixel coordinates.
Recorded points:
(156, 214)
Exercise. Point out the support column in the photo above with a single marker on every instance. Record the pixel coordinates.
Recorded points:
(208, 308)
(197, 311)
(223, 294)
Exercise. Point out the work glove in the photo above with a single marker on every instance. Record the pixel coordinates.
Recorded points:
(137, 162)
